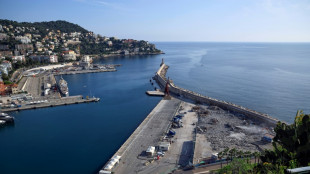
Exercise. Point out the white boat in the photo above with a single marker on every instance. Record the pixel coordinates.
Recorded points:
(5, 117)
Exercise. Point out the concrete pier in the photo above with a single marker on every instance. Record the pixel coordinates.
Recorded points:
(53, 102)
(154, 126)
(155, 93)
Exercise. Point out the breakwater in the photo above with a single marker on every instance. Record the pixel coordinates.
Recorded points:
(160, 77)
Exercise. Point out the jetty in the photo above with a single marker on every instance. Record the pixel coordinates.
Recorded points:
(155, 93)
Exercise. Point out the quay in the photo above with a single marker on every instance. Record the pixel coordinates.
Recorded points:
(52, 103)
(154, 126)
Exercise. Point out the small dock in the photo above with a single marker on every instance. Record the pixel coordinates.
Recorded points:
(52, 103)
(155, 93)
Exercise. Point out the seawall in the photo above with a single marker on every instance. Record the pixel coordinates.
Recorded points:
(161, 79)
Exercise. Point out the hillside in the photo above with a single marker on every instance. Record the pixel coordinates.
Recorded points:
(63, 26)
(58, 37)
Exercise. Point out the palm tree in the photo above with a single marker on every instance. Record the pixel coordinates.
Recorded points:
(248, 154)
(240, 154)
(220, 155)
(256, 155)
(226, 154)
(232, 153)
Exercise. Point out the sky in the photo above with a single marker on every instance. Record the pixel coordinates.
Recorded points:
(174, 20)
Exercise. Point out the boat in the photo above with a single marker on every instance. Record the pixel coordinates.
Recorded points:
(63, 87)
(5, 117)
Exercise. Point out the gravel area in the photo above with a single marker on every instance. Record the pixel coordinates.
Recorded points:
(225, 129)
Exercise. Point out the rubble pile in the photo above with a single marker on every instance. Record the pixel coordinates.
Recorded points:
(224, 129)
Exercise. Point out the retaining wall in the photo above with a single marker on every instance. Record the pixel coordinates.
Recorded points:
(160, 78)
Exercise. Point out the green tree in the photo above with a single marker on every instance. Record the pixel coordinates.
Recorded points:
(291, 145)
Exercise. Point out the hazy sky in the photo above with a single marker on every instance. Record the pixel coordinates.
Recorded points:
(174, 20)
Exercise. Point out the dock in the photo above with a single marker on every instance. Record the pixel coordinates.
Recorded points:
(52, 103)
(155, 93)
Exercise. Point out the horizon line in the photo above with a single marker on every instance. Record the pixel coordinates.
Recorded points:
(238, 41)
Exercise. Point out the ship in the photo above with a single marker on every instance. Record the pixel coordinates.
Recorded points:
(63, 87)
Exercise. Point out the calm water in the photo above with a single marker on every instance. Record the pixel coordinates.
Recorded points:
(270, 78)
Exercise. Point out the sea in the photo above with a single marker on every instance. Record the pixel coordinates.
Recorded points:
(272, 78)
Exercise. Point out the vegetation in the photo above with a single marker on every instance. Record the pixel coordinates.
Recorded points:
(291, 146)
(60, 25)
(237, 165)
(291, 149)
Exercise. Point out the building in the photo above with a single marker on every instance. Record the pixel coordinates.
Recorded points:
(2, 90)
(14, 88)
(53, 58)
(39, 45)
(4, 47)
(86, 58)
(6, 66)
(8, 89)
(23, 39)
(28, 35)
(24, 46)
(110, 43)
(44, 58)
(69, 55)
(6, 53)
(19, 58)
(3, 36)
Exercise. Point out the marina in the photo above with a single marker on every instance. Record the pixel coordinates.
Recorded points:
(38, 87)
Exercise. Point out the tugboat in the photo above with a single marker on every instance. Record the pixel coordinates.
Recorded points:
(63, 87)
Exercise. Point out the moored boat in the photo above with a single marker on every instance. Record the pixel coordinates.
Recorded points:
(63, 87)
(6, 118)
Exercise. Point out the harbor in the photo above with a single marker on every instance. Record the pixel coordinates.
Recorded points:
(39, 88)
(185, 133)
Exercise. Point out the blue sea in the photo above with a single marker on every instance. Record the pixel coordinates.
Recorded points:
(272, 78)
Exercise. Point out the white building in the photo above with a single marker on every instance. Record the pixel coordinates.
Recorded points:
(86, 58)
(53, 58)
(19, 58)
(23, 39)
